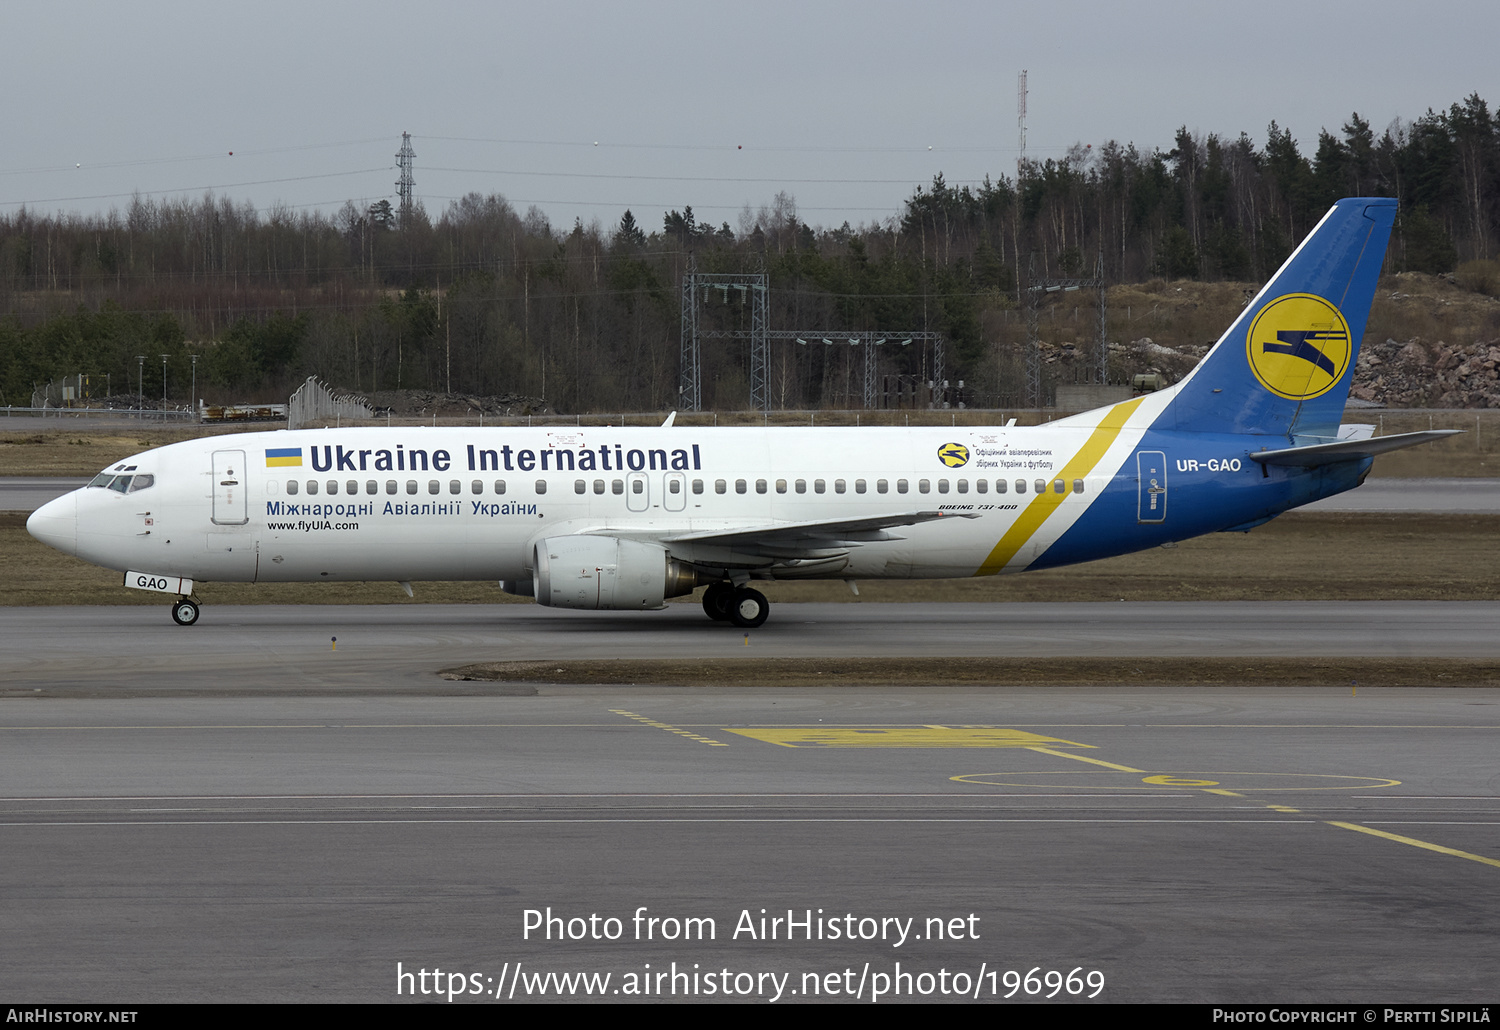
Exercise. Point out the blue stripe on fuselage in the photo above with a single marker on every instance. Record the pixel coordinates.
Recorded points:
(1197, 501)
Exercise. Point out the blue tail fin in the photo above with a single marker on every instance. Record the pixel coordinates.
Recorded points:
(1284, 367)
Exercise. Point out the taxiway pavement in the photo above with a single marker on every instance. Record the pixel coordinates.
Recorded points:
(237, 812)
(282, 648)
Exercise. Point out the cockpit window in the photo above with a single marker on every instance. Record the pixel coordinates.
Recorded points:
(122, 484)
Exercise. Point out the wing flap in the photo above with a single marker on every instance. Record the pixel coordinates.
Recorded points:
(817, 535)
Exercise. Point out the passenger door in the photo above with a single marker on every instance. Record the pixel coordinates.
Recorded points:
(230, 501)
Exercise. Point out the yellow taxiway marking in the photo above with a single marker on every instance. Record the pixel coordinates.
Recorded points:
(1084, 758)
(898, 736)
(689, 734)
(1246, 784)
(1417, 843)
(1212, 787)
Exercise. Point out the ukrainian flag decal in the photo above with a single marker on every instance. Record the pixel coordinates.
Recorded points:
(283, 457)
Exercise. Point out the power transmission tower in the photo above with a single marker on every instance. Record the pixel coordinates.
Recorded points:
(755, 287)
(407, 184)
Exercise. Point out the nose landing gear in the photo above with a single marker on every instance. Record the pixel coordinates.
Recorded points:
(185, 612)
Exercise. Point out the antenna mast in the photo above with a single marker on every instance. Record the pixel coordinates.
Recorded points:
(1021, 123)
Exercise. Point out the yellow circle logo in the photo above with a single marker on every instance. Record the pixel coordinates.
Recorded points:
(953, 455)
(1298, 346)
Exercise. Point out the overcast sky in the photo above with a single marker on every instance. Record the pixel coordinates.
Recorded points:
(585, 109)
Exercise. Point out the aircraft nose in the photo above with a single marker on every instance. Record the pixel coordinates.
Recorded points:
(56, 523)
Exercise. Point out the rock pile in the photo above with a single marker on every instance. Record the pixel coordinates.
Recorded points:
(1393, 374)
(415, 403)
(1415, 374)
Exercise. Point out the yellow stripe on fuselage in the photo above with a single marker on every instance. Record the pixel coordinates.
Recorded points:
(1044, 504)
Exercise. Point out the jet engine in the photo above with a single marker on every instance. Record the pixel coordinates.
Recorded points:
(602, 572)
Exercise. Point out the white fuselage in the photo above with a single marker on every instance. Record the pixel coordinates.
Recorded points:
(468, 503)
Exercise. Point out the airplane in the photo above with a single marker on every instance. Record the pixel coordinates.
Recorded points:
(625, 518)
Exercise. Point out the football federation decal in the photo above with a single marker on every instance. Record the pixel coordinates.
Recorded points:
(953, 455)
(1298, 346)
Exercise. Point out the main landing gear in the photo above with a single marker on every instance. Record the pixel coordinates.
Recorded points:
(742, 606)
(185, 612)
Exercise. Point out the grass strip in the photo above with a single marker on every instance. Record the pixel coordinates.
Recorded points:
(1344, 674)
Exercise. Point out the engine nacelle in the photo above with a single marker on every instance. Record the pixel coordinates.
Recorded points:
(601, 572)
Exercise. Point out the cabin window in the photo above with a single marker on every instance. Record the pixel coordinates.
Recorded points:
(1078, 486)
(720, 486)
(291, 487)
(433, 486)
(580, 486)
(924, 486)
(541, 486)
(901, 486)
(674, 486)
(801, 486)
(1041, 486)
(455, 487)
(390, 486)
(981, 486)
(942, 486)
(838, 486)
(499, 486)
(1059, 487)
(963, 486)
(781, 486)
(1000, 486)
(351, 487)
(1020, 486)
(617, 486)
(819, 486)
(637, 486)
(598, 486)
(760, 486)
(476, 487)
(882, 486)
(333, 487)
(697, 486)
(312, 486)
(859, 486)
(411, 486)
(372, 487)
(740, 486)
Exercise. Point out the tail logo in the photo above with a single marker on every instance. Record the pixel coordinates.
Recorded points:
(1298, 346)
(954, 455)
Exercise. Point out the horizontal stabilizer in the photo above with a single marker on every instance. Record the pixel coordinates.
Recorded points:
(1347, 450)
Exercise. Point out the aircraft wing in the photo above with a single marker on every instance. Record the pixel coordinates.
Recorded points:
(807, 539)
